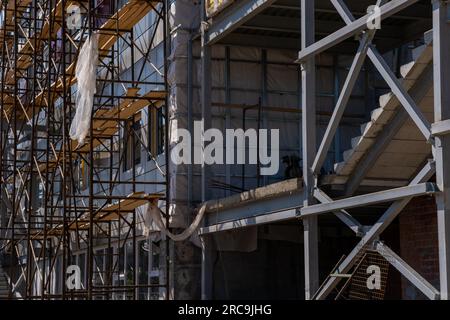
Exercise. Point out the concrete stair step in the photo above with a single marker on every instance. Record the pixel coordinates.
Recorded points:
(363, 127)
(375, 113)
(404, 69)
(386, 103)
(384, 99)
(347, 154)
(338, 166)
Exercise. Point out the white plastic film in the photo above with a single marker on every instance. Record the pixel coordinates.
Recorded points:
(154, 215)
(85, 72)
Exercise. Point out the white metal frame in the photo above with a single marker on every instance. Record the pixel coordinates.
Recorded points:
(436, 134)
(316, 201)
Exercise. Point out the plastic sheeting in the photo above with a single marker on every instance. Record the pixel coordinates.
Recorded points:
(147, 223)
(154, 215)
(184, 14)
(244, 87)
(237, 81)
(85, 72)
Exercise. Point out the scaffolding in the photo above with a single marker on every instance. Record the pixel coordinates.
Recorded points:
(59, 197)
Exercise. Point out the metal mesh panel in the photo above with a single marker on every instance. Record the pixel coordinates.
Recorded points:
(357, 286)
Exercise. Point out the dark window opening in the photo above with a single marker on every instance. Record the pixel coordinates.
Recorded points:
(161, 130)
(104, 9)
(156, 131)
(132, 143)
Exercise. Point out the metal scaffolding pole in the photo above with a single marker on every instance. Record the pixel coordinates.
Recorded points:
(57, 195)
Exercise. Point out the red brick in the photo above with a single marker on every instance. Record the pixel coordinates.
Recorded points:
(418, 241)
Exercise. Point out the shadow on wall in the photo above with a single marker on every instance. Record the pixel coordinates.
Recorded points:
(273, 271)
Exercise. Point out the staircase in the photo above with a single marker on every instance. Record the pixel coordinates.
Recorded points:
(398, 147)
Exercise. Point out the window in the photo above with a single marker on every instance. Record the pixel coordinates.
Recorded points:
(149, 270)
(56, 276)
(156, 130)
(103, 10)
(58, 45)
(143, 270)
(132, 142)
(129, 272)
(119, 280)
(147, 264)
(99, 267)
(82, 265)
(155, 270)
(125, 276)
(108, 265)
(161, 130)
(83, 175)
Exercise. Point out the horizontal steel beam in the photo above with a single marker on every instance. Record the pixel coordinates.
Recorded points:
(253, 40)
(233, 17)
(352, 29)
(420, 12)
(322, 27)
(440, 128)
(246, 212)
(371, 198)
(248, 222)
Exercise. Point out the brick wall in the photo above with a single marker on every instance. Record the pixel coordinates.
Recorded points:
(419, 243)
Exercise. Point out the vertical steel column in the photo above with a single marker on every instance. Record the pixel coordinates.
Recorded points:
(206, 102)
(31, 187)
(190, 103)
(134, 135)
(309, 148)
(133, 185)
(49, 127)
(3, 137)
(207, 263)
(133, 78)
(167, 47)
(441, 49)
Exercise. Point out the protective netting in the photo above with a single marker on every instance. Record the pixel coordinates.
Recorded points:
(85, 72)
